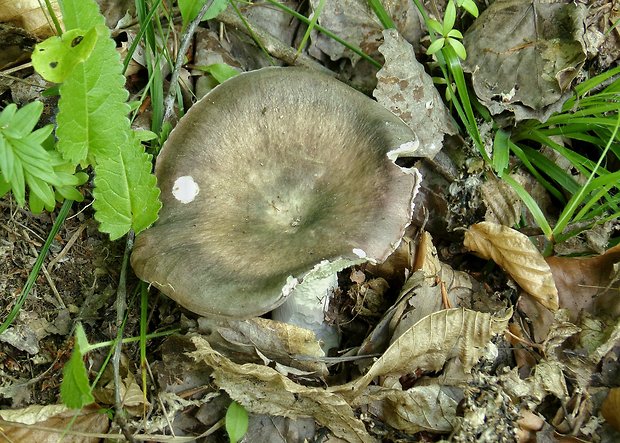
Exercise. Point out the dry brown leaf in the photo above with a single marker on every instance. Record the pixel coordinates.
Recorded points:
(29, 14)
(516, 254)
(245, 341)
(587, 283)
(428, 344)
(263, 390)
(611, 408)
(46, 424)
(421, 408)
(355, 22)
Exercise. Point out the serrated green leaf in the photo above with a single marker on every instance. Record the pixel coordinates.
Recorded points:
(237, 421)
(82, 14)
(92, 110)
(80, 338)
(126, 193)
(75, 390)
(56, 57)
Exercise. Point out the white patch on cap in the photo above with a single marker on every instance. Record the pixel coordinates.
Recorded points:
(185, 189)
(359, 252)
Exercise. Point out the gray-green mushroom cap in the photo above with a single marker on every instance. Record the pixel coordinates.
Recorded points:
(269, 174)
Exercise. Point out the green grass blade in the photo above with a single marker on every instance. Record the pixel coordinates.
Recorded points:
(518, 151)
(577, 199)
(381, 14)
(531, 204)
(311, 26)
(326, 32)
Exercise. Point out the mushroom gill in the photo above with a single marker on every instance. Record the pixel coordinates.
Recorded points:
(270, 173)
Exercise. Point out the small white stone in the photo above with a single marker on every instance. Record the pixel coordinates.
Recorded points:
(359, 252)
(185, 189)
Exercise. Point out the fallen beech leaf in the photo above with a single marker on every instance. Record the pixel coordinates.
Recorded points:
(355, 22)
(47, 424)
(611, 408)
(428, 344)
(421, 408)
(544, 41)
(516, 254)
(587, 283)
(263, 390)
(245, 341)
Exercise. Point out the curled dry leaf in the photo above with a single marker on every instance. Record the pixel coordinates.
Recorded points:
(263, 390)
(588, 283)
(516, 254)
(428, 344)
(421, 408)
(249, 340)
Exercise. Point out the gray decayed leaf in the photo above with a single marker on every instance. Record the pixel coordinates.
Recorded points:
(523, 54)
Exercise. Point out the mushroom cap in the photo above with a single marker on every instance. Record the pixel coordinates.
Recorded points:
(270, 173)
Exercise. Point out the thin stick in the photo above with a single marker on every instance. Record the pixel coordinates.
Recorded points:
(174, 78)
(273, 45)
(121, 307)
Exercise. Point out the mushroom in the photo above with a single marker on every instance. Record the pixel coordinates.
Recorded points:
(271, 173)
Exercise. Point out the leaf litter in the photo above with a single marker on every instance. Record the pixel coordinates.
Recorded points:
(435, 351)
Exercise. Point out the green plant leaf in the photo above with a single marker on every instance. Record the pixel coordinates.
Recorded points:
(449, 17)
(92, 110)
(220, 71)
(436, 46)
(56, 57)
(382, 14)
(75, 390)
(435, 26)
(531, 205)
(80, 14)
(25, 161)
(190, 9)
(470, 6)
(236, 422)
(126, 195)
(458, 48)
(501, 152)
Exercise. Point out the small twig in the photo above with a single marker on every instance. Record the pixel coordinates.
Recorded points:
(70, 243)
(174, 78)
(121, 307)
(274, 46)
